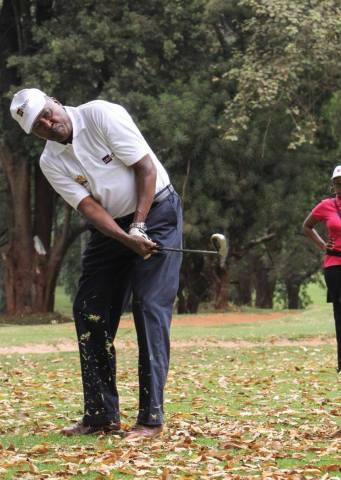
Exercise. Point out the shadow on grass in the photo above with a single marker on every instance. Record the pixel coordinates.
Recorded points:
(34, 319)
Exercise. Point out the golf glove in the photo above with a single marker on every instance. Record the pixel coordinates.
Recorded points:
(139, 229)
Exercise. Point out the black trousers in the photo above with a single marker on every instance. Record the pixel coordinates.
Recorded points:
(332, 277)
(111, 274)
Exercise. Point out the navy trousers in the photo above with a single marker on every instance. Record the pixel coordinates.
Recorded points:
(111, 275)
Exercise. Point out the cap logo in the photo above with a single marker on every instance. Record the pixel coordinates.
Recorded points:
(21, 109)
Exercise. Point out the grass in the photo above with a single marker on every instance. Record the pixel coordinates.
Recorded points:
(229, 412)
(317, 291)
(63, 302)
(315, 321)
(232, 413)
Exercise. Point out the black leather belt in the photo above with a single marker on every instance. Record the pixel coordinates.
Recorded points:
(163, 194)
(333, 253)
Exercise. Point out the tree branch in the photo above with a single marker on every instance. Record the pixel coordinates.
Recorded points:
(241, 252)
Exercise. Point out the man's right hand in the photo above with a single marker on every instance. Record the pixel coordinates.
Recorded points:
(139, 242)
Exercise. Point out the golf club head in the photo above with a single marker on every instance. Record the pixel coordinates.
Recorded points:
(220, 244)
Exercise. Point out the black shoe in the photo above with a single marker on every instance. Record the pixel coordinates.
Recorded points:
(81, 429)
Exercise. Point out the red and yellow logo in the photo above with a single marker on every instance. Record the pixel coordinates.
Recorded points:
(81, 180)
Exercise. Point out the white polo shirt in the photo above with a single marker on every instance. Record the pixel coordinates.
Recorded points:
(106, 143)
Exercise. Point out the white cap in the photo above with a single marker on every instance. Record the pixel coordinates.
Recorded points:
(336, 172)
(26, 106)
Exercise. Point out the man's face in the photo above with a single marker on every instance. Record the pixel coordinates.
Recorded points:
(53, 123)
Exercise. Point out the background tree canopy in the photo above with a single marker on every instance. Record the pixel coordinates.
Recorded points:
(196, 76)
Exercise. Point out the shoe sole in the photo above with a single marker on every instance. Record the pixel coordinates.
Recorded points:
(92, 432)
(136, 436)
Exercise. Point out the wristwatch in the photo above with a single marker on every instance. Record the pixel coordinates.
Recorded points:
(140, 225)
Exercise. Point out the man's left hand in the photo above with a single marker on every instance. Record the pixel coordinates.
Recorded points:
(143, 245)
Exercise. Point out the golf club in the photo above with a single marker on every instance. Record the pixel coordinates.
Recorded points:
(219, 242)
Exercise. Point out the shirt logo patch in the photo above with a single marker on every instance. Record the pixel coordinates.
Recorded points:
(108, 158)
(81, 180)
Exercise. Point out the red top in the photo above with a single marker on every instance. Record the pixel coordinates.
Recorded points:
(326, 212)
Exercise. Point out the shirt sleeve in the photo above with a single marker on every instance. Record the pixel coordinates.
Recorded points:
(71, 191)
(120, 132)
(319, 211)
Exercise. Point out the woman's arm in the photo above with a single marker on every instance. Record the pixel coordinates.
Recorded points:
(308, 228)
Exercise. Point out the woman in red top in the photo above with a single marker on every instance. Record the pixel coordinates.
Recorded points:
(329, 212)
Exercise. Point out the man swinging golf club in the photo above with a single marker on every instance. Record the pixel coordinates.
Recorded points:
(96, 158)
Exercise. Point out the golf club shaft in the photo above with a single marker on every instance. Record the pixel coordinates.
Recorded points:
(188, 250)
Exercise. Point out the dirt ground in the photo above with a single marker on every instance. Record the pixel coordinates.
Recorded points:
(70, 346)
(213, 319)
(216, 319)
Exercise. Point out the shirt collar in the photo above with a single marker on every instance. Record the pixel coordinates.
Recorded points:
(77, 125)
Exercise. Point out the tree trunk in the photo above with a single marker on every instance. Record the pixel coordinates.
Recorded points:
(181, 305)
(32, 265)
(244, 289)
(293, 294)
(193, 285)
(57, 252)
(44, 206)
(222, 288)
(19, 258)
(193, 302)
(2, 288)
(265, 287)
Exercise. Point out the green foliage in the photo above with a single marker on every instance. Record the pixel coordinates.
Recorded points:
(117, 48)
(189, 72)
(331, 113)
(290, 63)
